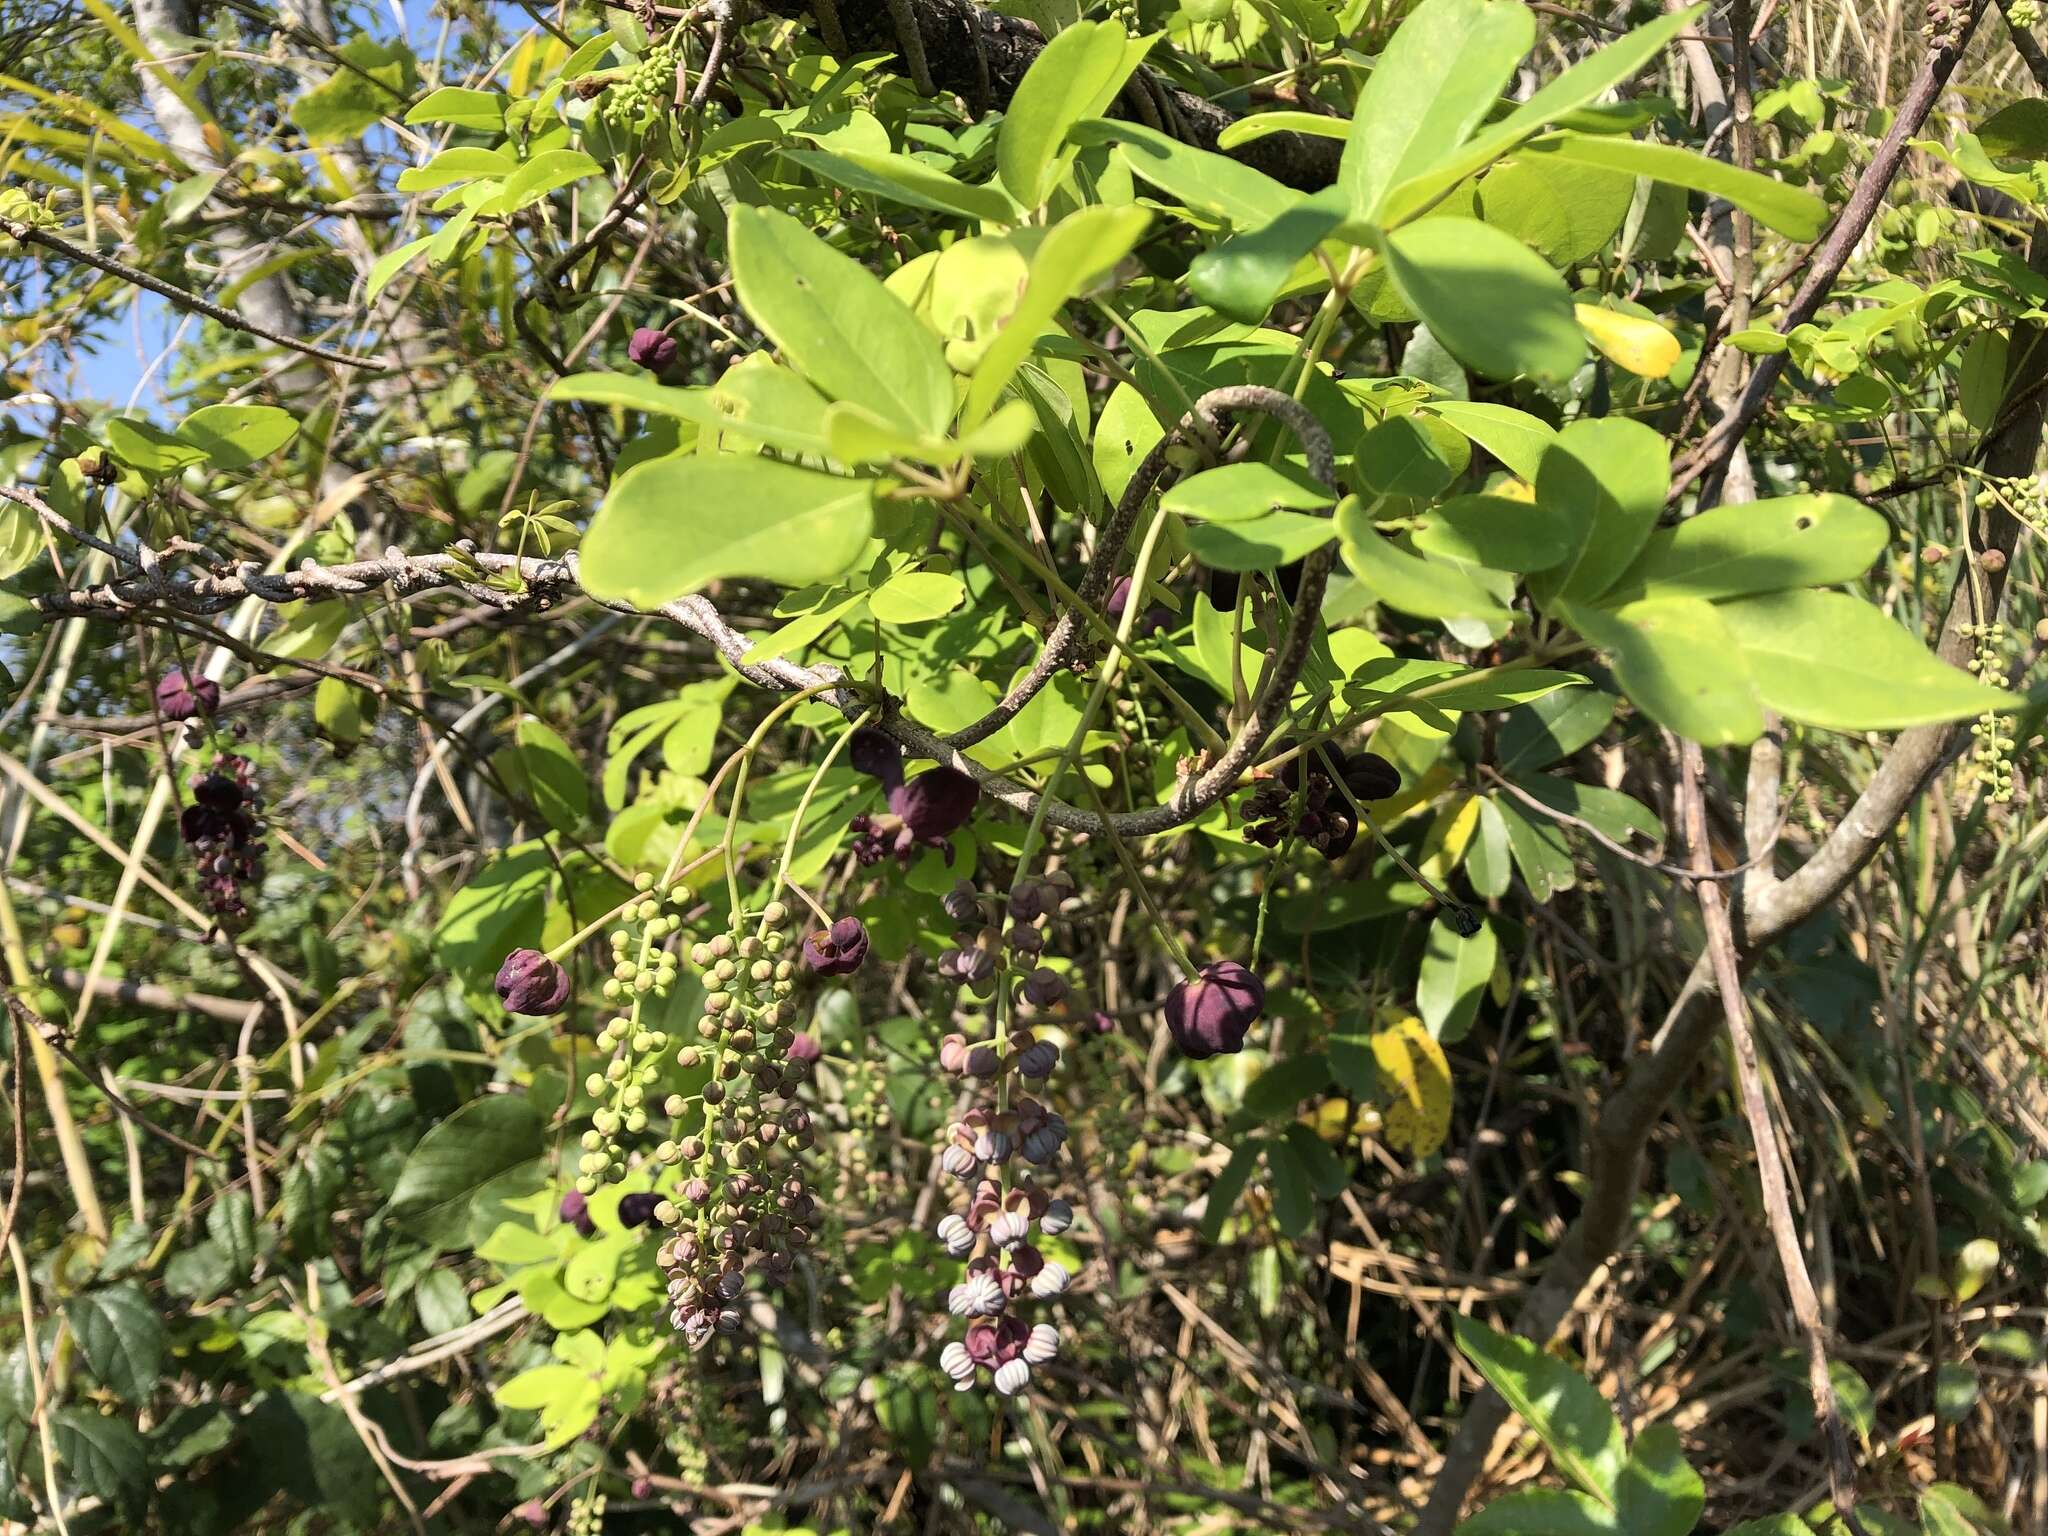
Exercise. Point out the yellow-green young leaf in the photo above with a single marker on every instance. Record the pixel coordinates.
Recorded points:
(1560, 1405)
(1516, 438)
(1412, 456)
(1430, 87)
(1765, 546)
(307, 631)
(565, 1397)
(671, 526)
(1074, 252)
(760, 399)
(1077, 76)
(1495, 304)
(905, 180)
(1248, 130)
(1677, 659)
(1791, 211)
(1607, 477)
(370, 81)
(549, 171)
(392, 262)
(464, 108)
(1244, 275)
(916, 597)
(1564, 212)
(836, 324)
(235, 436)
(1455, 970)
(1832, 660)
(1210, 184)
(856, 435)
(1407, 582)
(21, 538)
(1236, 493)
(148, 448)
(462, 163)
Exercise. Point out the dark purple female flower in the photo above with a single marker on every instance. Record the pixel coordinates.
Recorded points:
(651, 348)
(180, 697)
(935, 804)
(839, 950)
(1150, 622)
(576, 1212)
(1211, 1015)
(637, 1209)
(532, 984)
(877, 756)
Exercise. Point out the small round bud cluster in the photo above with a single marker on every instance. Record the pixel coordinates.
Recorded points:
(223, 828)
(586, 1514)
(1313, 806)
(642, 969)
(2024, 496)
(743, 1203)
(643, 95)
(2024, 15)
(1991, 755)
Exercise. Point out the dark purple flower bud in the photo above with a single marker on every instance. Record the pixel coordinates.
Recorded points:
(935, 804)
(1044, 987)
(875, 755)
(636, 1210)
(1210, 1016)
(532, 984)
(651, 348)
(179, 697)
(839, 950)
(803, 1048)
(1100, 1023)
(576, 1212)
(1150, 622)
(961, 903)
(1371, 777)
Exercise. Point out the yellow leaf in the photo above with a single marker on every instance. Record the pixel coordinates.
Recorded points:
(1329, 1119)
(1641, 346)
(1418, 1079)
(1449, 835)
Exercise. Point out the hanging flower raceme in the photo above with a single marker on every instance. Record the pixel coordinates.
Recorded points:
(224, 829)
(1322, 817)
(1211, 1015)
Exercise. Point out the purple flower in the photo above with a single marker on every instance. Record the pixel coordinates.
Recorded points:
(803, 1048)
(651, 348)
(1150, 622)
(839, 950)
(636, 1210)
(532, 984)
(179, 697)
(576, 1212)
(877, 756)
(961, 903)
(1210, 1016)
(935, 804)
(1044, 987)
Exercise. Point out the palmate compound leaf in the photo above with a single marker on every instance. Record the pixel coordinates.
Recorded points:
(671, 526)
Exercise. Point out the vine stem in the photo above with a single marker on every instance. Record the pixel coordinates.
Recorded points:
(803, 806)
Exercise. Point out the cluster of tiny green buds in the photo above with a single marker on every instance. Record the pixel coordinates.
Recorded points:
(2024, 496)
(586, 1513)
(1991, 758)
(2024, 15)
(641, 969)
(648, 91)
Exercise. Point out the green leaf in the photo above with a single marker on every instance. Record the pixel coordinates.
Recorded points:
(1294, 1204)
(1678, 660)
(231, 1223)
(1955, 1392)
(1076, 251)
(235, 436)
(1586, 81)
(1554, 727)
(566, 1397)
(1263, 543)
(1455, 972)
(1544, 1512)
(1791, 211)
(1260, 125)
(547, 172)
(1412, 456)
(149, 449)
(1499, 532)
(122, 1336)
(836, 324)
(1559, 1404)
(1278, 1090)
(1541, 855)
(1243, 276)
(1431, 86)
(1658, 1493)
(1516, 438)
(1228, 1186)
(1327, 1173)
(1077, 76)
(1496, 690)
(105, 1456)
(903, 179)
(1981, 380)
(465, 162)
(1608, 476)
(1832, 660)
(461, 107)
(1764, 546)
(1617, 815)
(1407, 582)
(391, 263)
(370, 82)
(498, 910)
(916, 597)
(1489, 861)
(1494, 303)
(1564, 212)
(2016, 132)
(484, 1146)
(1237, 493)
(1210, 184)
(21, 539)
(668, 527)
(554, 779)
